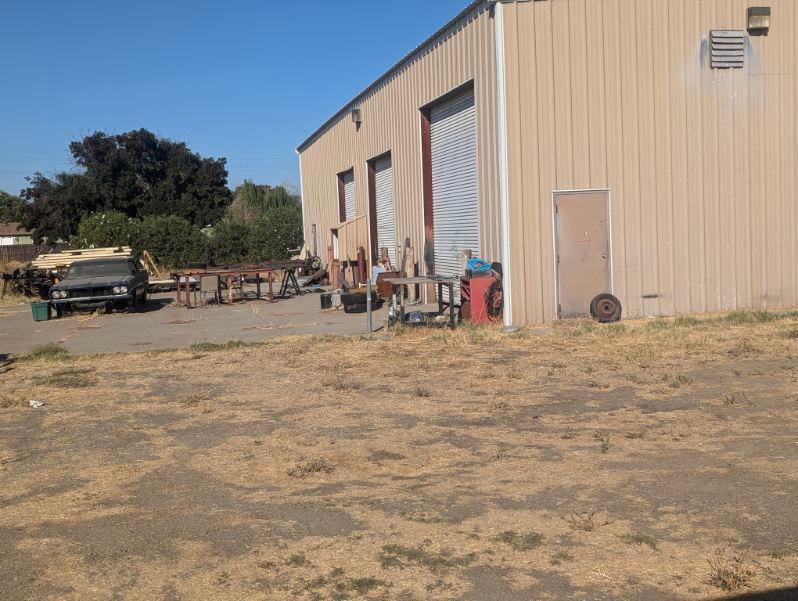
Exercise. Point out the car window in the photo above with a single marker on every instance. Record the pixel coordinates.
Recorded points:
(87, 270)
(133, 269)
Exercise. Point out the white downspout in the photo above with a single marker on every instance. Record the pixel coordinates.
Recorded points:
(504, 193)
(302, 204)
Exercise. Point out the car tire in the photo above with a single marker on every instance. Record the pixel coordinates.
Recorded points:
(141, 305)
(59, 312)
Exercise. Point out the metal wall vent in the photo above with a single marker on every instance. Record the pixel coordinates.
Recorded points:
(727, 49)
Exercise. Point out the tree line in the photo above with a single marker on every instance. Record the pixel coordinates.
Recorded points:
(156, 194)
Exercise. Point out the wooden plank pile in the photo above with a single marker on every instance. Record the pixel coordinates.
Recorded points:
(65, 258)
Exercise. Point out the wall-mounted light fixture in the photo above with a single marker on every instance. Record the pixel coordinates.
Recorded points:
(759, 20)
(357, 117)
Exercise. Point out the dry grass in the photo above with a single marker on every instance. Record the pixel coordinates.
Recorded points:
(588, 461)
(46, 352)
(11, 400)
(730, 572)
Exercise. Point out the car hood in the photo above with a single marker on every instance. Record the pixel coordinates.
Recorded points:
(105, 281)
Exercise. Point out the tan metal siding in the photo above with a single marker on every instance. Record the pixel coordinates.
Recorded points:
(700, 163)
(391, 122)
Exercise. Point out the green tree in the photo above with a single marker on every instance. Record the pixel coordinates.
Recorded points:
(230, 242)
(174, 242)
(57, 205)
(279, 197)
(11, 208)
(249, 201)
(252, 201)
(106, 229)
(276, 234)
(135, 173)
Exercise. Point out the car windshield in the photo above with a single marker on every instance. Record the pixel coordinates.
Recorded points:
(87, 270)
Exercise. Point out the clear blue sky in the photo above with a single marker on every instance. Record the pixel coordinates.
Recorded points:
(242, 79)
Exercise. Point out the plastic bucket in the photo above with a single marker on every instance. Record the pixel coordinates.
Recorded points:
(41, 311)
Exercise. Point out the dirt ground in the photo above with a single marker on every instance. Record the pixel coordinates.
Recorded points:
(650, 460)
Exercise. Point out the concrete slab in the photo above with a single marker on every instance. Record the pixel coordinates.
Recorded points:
(165, 325)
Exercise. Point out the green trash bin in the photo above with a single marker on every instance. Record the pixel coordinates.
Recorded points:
(41, 311)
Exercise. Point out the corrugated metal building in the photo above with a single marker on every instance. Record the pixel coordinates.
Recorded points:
(647, 147)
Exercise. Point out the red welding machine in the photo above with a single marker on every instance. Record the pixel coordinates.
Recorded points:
(482, 299)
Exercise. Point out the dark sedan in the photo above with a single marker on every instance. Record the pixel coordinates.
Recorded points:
(101, 283)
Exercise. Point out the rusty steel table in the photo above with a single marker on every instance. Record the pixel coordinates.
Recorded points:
(440, 282)
(233, 272)
(228, 276)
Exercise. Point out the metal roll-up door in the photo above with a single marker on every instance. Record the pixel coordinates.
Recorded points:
(350, 198)
(386, 210)
(454, 182)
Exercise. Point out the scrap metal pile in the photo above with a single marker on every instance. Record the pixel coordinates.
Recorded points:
(35, 278)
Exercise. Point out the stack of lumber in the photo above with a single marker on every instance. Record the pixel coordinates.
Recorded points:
(65, 258)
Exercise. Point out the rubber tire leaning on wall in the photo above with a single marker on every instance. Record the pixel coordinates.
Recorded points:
(606, 308)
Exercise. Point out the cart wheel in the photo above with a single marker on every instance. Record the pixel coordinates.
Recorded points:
(606, 308)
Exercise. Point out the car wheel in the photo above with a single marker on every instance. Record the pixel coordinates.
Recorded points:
(59, 312)
(606, 308)
(141, 305)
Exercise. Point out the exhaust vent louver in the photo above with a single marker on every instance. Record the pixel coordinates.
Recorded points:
(727, 49)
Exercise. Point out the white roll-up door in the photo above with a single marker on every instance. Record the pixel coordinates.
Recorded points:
(454, 182)
(350, 197)
(386, 209)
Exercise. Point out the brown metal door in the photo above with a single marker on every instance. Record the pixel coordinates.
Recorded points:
(583, 254)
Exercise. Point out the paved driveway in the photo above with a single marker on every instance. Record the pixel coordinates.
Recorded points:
(165, 325)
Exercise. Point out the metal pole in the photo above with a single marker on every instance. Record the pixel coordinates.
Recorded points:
(368, 305)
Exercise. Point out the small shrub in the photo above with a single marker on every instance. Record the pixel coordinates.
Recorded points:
(46, 352)
(604, 439)
(585, 521)
(635, 434)
(560, 557)
(640, 539)
(297, 560)
(678, 380)
(735, 398)
(210, 347)
(423, 392)
(337, 382)
(520, 542)
(742, 348)
(309, 468)
(401, 557)
(193, 400)
(729, 573)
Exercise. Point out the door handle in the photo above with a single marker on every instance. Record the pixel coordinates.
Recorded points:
(604, 256)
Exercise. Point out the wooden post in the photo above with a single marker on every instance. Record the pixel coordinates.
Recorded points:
(410, 269)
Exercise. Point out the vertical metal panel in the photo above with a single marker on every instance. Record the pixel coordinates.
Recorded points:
(454, 182)
(391, 122)
(386, 210)
(701, 162)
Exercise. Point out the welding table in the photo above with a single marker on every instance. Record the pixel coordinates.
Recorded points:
(239, 272)
(440, 282)
(183, 279)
